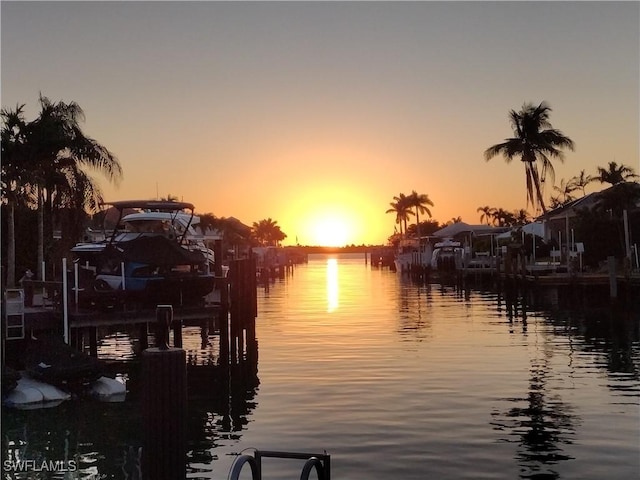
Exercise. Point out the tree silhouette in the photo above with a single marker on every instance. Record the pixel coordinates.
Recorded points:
(534, 142)
(401, 206)
(615, 174)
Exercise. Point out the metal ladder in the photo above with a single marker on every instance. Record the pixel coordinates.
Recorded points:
(321, 463)
(14, 313)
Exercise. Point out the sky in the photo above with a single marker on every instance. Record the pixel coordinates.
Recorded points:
(316, 114)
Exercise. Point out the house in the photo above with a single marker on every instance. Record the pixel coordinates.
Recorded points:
(559, 223)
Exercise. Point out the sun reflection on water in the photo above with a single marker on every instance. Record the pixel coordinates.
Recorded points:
(332, 285)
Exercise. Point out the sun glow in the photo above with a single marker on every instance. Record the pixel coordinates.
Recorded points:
(330, 232)
(331, 213)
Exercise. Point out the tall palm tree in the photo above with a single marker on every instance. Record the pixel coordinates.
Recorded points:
(60, 153)
(615, 174)
(402, 208)
(420, 201)
(15, 181)
(487, 213)
(534, 142)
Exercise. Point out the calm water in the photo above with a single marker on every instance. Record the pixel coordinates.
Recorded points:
(394, 380)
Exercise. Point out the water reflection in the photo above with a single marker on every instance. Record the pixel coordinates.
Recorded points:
(431, 380)
(332, 285)
(546, 425)
(414, 302)
(104, 439)
(540, 423)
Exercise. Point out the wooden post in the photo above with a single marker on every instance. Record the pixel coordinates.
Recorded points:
(176, 325)
(224, 322)
(217, 251)
(93, 341)
(144, 336)
(164, 318)
(613, 281)
(164, 405)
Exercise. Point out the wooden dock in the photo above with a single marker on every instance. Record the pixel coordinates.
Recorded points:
(231, 318)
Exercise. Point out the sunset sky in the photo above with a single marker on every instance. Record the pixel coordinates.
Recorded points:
(316, 114)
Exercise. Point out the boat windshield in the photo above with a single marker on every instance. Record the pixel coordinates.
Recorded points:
(164, 227)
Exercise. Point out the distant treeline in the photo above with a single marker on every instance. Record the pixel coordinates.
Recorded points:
(348, 249)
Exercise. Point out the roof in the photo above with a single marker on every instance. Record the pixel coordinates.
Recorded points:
(461, 227)
(588, 201)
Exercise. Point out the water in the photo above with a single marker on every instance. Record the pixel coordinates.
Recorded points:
(393, 380)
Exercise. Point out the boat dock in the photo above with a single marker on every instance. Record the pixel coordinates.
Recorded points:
(42, 308)
(506, 272)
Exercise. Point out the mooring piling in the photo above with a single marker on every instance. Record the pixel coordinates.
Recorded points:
(164, 405)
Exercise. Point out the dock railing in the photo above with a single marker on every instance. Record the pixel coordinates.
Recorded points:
(320, 462)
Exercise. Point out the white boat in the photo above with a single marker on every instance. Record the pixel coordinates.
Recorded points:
(168, 219)
(108, 390)
(411, 254)
(447, 255)
(164, 257)
(30, 394)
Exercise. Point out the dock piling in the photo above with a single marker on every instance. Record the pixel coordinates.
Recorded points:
(164, 405)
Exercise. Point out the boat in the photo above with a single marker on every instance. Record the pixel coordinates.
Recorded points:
(30, 394)
(152, 256)
(411, 254)
(52, 361)
(174, 224)
(447, 255)
(108, 389)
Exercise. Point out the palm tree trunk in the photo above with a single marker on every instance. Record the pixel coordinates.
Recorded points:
(11, 247)
(536, 183)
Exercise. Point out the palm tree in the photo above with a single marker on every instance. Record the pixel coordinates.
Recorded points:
(401, 207)
(267, 232)
(503, 218)
(581, 181)
(60, 153)
(565, 190)
(487, 213)
(15, 181)
(420, 202)
(615, 174)
(534, 142)
(521, 217)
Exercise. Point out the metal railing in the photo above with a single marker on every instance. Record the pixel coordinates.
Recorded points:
(321, 463)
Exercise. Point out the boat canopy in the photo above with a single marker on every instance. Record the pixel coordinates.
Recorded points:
(153, 250)
(161, 205)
